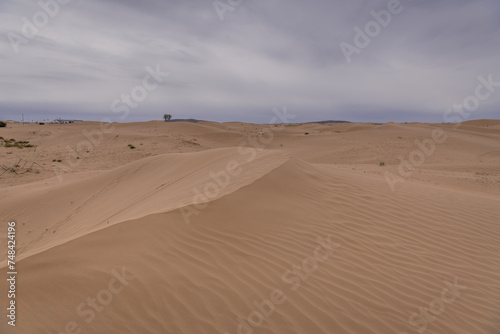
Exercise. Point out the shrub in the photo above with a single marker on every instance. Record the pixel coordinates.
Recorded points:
(3, 124)
(381, 163)
(19, 144)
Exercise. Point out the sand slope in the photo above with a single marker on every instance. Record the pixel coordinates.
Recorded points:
(60, 211)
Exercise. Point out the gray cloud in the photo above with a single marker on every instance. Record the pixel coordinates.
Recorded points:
(264, 54)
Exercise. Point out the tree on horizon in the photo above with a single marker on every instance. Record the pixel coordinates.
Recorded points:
(167, 117)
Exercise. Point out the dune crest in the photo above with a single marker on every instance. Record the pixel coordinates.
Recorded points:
(161, 183)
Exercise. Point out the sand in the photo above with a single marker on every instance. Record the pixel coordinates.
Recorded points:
(244, 228)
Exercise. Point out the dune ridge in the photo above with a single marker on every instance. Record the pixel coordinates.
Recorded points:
(161, 183)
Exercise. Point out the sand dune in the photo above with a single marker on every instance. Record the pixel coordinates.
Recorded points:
(305, 231)
(162, 183)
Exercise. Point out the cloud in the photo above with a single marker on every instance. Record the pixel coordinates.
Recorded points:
(264, 54)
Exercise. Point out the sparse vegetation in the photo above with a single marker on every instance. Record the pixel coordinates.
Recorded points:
(381, 163)
(13, 143)
(130, 146)
(306, 133)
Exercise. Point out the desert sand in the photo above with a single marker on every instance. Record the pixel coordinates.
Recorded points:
(204, 227)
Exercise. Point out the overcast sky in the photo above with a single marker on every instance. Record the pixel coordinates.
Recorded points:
(238, 62)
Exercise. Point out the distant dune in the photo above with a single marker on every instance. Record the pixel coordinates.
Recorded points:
(182, 227)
